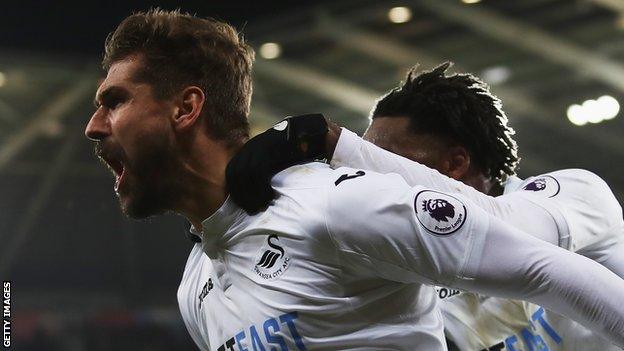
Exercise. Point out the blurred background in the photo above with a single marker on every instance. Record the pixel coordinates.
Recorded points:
(85, 278)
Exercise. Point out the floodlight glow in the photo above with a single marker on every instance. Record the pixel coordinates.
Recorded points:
(594, 111)
(576, 115)
(270, 51)
(470, 1)
(609, 105)
(400, 14)
(496, 74)
(2, 79)
(591, 109)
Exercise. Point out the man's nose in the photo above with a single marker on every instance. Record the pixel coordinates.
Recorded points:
(98, 127)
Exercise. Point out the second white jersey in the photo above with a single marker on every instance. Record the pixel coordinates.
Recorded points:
(576, 205)
(584, 205)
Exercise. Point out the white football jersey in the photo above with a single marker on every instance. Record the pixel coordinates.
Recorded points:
(336, 263)
(575, 205)
(588, 209)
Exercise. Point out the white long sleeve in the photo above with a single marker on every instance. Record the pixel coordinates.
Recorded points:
(585, 217)
(515, 209)
(355, 152)
(518, 266)
(383, 226)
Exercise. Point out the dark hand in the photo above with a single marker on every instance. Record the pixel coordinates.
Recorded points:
(292, 141)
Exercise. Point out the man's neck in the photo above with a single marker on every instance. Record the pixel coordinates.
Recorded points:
(496, 189)
(203, 181)
(205, 201)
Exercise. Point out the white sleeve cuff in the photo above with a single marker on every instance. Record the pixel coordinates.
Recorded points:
(348, 145)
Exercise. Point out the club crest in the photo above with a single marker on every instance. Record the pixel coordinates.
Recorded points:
(439, 213)
(544, 185)
(272, 259)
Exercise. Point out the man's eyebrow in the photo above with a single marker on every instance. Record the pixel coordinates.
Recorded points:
(107, 94)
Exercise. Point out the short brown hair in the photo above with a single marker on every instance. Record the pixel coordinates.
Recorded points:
(180, 50)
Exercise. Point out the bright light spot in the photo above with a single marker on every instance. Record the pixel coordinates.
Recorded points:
(496, 74)
(591, 110)
(594, 111)
(575, 115)
(471, 1)
(610, 106)
(270, 50)
(399, 14)
(2, 79)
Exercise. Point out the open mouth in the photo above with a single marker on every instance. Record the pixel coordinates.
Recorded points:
(117, 168)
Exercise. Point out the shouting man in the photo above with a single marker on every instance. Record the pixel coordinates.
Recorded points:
(344, 258)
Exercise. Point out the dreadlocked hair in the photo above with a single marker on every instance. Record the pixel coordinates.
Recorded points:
(460, 107)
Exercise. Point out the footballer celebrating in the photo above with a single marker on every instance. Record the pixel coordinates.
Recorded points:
(344, 258)
(455, 126)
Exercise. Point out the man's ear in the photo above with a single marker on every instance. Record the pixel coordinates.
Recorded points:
(190, 106)
(458, 162)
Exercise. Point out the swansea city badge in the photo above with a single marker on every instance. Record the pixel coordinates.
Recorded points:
(272, 259)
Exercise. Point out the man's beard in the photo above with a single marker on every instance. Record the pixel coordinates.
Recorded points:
(151, 183)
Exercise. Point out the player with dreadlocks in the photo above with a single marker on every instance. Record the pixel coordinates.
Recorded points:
(435, 107)
(455, 126)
